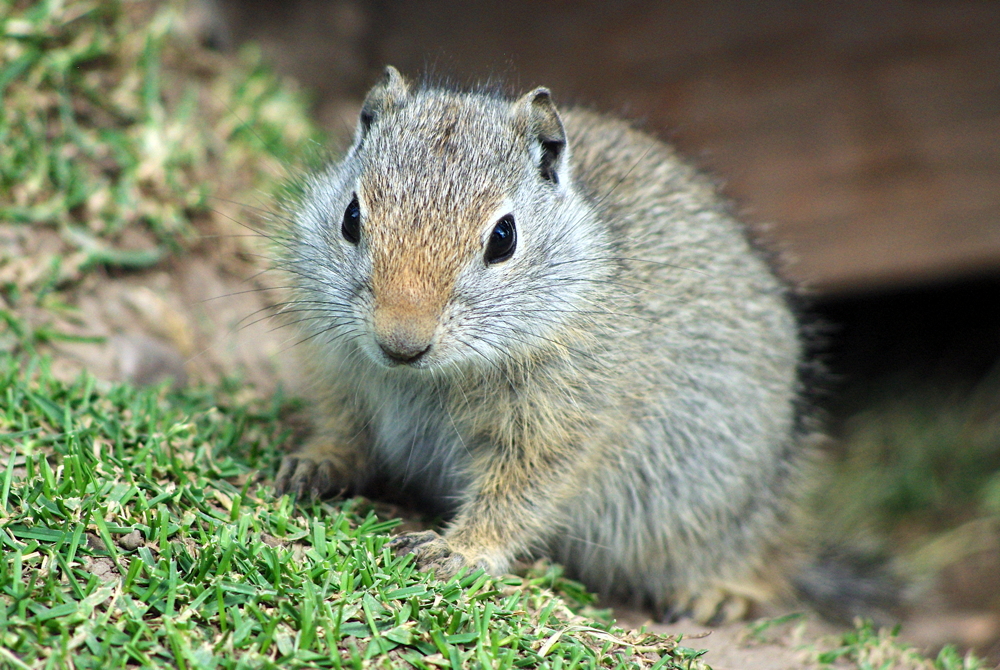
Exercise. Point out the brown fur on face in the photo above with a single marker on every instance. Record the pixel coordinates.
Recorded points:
(414, 268)
(407, 308)
(418, 246)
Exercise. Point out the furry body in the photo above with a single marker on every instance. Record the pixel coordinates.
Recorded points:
(620, 394)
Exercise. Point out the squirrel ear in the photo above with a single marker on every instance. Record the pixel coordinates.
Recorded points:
(388, 93)
(545, 132)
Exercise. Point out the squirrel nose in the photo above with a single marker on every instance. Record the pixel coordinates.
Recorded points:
(409, 352)
(404, 324)
(404, 341)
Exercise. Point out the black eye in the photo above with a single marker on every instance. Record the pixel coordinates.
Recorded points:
(351, 227)
(502, 241)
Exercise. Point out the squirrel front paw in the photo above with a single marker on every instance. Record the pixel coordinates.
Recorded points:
(304, 477)
(433, 553)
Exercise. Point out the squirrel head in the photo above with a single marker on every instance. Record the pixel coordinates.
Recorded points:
(448, 232)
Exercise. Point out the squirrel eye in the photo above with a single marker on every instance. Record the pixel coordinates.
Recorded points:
(351, 227)
(502, 241)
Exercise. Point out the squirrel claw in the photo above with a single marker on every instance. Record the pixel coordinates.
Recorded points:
(305, 478)
(433, 553)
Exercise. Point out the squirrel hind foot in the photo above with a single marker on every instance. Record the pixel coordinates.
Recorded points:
(712, 607)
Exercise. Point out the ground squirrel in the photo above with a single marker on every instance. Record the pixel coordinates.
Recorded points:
(552, 331)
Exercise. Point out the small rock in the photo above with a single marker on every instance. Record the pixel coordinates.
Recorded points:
(95, 543)
(270, 540)
(132, 541)
(147, 361)
(103, 568)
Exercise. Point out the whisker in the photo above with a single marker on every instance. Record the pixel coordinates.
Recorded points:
(323, 313)
(259, 289)
(628, 259)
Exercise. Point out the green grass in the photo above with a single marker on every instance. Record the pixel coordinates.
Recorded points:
(862, 647)
(137, 529)
(918, 470)
(866, 648)
(935, 452)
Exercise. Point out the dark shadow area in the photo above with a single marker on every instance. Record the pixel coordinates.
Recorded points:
(944, 335)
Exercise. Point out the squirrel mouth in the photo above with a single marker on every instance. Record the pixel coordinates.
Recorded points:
(403, 357)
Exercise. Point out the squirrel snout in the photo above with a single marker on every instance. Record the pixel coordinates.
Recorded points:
(404, 340)
(403, 352)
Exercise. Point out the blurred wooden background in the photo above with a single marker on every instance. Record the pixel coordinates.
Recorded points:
(867, 133)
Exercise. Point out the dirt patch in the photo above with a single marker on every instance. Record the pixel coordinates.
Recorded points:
(197, 320)
(735, 647)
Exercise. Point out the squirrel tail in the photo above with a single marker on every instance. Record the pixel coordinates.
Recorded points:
(843, 585)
